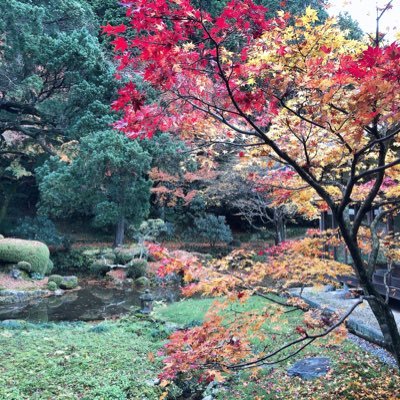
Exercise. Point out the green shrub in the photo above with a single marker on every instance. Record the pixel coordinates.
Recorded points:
(50, 267)
(25, 266)
(33, 252)
(52, 286)
(39, 228)
(142, 281)
(72, 260)
(213, 229)
(100, 268)
(69, 282)
(126, 254)
(136, 269)
(57, 279)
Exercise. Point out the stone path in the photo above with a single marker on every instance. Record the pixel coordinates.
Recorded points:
(336, 300)
(362, 321)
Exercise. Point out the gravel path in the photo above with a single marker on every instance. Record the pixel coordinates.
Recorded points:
(378, 351)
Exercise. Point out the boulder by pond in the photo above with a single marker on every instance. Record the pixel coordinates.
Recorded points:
(310, 368)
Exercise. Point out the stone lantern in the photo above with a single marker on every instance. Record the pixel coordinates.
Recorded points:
(146, 302)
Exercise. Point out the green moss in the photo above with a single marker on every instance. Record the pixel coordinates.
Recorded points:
(110, 361)
(33, 252)
(77, 361)
(185, 311)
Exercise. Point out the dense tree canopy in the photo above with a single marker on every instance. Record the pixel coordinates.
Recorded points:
(56, 83)
(105, 177)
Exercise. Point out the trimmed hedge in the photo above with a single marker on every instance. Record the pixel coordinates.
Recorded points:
(35, 253)
(57, 279)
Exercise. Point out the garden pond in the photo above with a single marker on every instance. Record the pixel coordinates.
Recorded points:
(90, 303)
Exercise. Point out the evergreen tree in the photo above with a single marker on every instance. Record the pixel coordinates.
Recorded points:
(104, 177)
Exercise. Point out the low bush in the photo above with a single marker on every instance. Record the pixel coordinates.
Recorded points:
(125, 254)
(73, 260)
(99, 268)
(52, 286)
(137, 269)
(69, 282)
(57, 279)
(24, 266)
(35, 253)
(213, 229)
(39, 228)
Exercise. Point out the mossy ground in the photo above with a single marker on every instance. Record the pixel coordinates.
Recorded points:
(355, 374)
(116, 360)
(79, 361)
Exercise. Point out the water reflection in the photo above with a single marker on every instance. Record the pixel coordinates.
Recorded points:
(88, 304)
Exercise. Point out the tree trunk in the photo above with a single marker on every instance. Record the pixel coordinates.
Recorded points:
(279, 227)
(379, 307)
(119, 233)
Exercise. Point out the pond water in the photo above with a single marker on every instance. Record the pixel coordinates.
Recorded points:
(87, 304)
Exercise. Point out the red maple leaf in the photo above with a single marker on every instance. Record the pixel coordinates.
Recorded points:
(113, 30)
(120, 44)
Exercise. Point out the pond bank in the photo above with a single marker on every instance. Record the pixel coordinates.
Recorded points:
(87, 303)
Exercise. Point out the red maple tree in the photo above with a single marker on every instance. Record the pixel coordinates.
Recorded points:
(299, 92)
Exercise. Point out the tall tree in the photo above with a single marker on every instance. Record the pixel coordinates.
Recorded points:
(55, 84)
(104, 177)
(325, 106)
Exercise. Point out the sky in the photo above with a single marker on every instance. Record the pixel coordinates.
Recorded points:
(364, 11)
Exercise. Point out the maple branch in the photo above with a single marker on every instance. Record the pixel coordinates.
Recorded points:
(376, 170)
(371, 145)
(307, 338)
(378, 18)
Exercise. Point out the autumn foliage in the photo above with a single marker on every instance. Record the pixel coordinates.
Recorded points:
(317, 110)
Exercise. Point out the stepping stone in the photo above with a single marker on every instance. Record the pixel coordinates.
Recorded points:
(310, 368)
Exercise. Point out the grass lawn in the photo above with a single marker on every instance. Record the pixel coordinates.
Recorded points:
(114, 360)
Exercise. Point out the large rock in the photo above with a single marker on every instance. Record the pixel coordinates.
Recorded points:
(310, 368)
(16, 273)
(33, 252)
